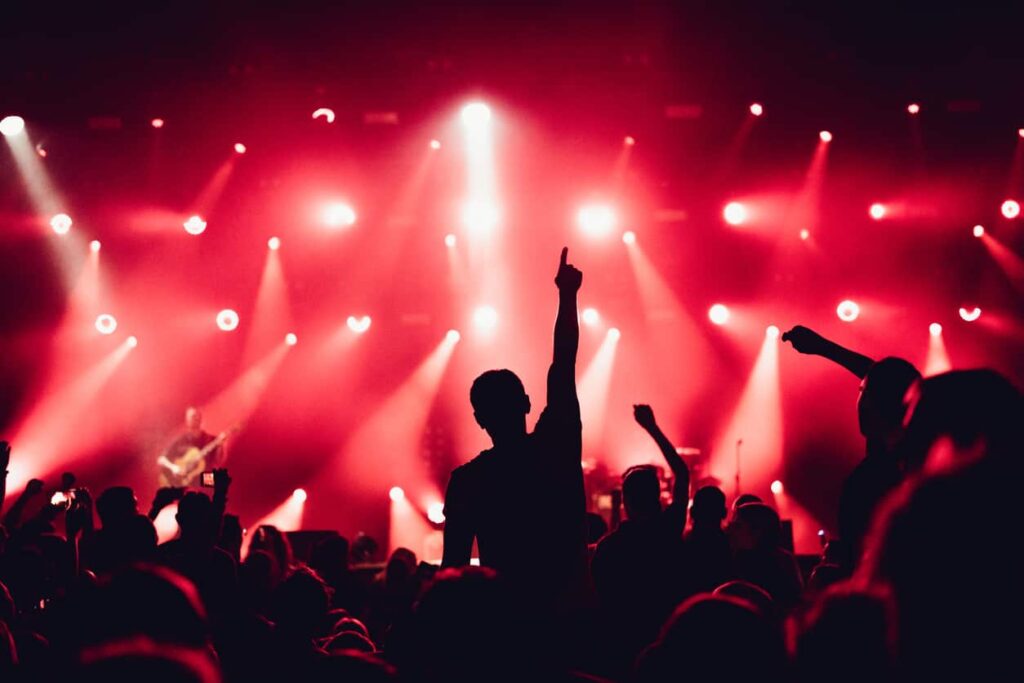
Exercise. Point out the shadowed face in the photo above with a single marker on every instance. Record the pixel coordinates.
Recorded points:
(193, 420)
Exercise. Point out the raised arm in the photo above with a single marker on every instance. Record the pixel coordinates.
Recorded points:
(5, 460)
(644, 416)
(806, 340)
(562, 375)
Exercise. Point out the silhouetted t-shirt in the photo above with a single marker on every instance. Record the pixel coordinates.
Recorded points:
(526, 505)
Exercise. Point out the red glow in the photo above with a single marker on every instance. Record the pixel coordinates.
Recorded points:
(195, 225)
(106, 323)
(596, 220)
(227, 320)
(239, 148)
(756, 109)
(877, 211)
(804, 234)
(157, 123)
(848, 311)
(1010, 209)
(61, 223)
(825, 136)
(735, 213)
(718, 314)
(629, 141)
(970, 314)
(339, 215)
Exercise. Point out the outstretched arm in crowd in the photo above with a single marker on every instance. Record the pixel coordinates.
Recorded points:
(806, 340)
(12, 519)
(5, 460)
(562, 375)
(644, 416)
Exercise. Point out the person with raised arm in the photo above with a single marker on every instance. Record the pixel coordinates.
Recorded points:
(880, 411)
(523, 499)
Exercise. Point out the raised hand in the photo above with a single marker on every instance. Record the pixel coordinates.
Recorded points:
(806, 340)
(568, 278)
(221, 481)
(644, 416)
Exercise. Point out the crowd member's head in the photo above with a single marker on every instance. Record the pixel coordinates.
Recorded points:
(140, 659)
(268, 538)
(880, 408)
(300, 604)
(708, 510)
(117, 504)
(743, 499)
(330, 556)
(758, 597)
(960, 414)
(500, 403)
(596, 527)
(755, 527)
(193, 420)
(196, 518)
(641, 492)
(401, 566)
(847, 633)
(714, 638)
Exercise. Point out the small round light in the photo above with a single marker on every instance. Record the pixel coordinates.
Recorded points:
(106, 323)
(449, 240)
(133, 341)
(629, 237)
(935, 329)
(969, 314)
(274, 243)
(978, 230)
(877, 211)
(396, 494)
(913, 108)
(195, 225)
(290, 339)
(227, 320)
(590, 316)
(805, 234)
(476, 114)
(848, 311)
(299, 495)
(157, 123)
(94, 246)
(735, 213)
(756, 109)
(435, 144)
(435, 513)
(1010, 209)
(776, 487)
(239, 148)
(358, 325)
(61, 223)
(1020, 132)
(718, 314)
(11, 126)
(629, 141)
(772, 332)
(825, 136)
(453, 336)
(614, 333)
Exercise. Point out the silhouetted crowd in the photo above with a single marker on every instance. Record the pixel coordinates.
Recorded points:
(922, 583)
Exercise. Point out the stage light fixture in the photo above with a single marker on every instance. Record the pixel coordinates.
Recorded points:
(358, 325)
(157, 123)
(396, 494)
(453, 336)
(11, 126)
(877, 211)
(339, 215)
(629, 141)
(596, 220)
(195, 225)
(772, 331)
(978, 230)
(590, 316)
(449, 240)
(935, 329)
(1010, 209)
(614, 333)
(274, 243)
(485, 318)
(106, 323)
(735, 213)
(476, 115)
(94, 246)
(299, 495)
(825, 136)
(133, 341)
(970, 314)
(718, 314)
(239, 148)
(291, 339)
(804, 234)
(435, 144)
(756, 109)
(848, 311)
(629, 237)
(61, 223)
(324, 113)
(435, 512)
(776, 487)
(913, 108)
(227, 320)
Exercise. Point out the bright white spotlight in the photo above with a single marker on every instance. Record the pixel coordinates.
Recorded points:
(227, 320)
(476, 115)
(449, 240)
(358, 325)
(629, 141)
(1020, 132)
(94, 246)
(435, 144)
(772, 331)
(596, 220)
(614, 333)
(756, 109)
(339, 215)
(133, 341)
(157, 123)
(935, 329)
(453, 336)
(61, 223)
(978, 230)
(825, 136)
(396, 494)
(485, 318)
(776, 487)
(324, 113)
(239, 148)
(718, 314)
(106, 323)
(480, 216)
(299, 495)
(629, 237)
(734, 213)
(877, 211)
(970, 314)
(913, 108)
(435, 512)
(1010, 209)
(590, 316)
(11, 126)
(290, 339)
(195, 225)
(848, 311)
(274, 243)
(805, 234)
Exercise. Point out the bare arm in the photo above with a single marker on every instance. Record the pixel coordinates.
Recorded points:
(5, 460)
(644, 417)
(806, 340)
(562, 375)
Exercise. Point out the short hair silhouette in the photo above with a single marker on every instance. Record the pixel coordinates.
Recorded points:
(116, 504)
(641, 491)
(881, 405)
(498, 395)
(708, 505)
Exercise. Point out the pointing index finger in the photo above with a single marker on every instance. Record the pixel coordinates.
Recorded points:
(565, 255)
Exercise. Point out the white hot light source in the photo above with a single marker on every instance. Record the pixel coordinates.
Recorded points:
(299, 495)
(848, 311)
(590, 316)
(396, 494)
(718, 314)
(735, 213)
(756, 109)
(935, 329)
(453, 336)
(970, 314)
(11, 126)
(485, 318)
(476, 115)
(596, 220)
(227, 320)
(291, 339)
(106, 323)
(274, 243)
(480, 216)
(435, 512)
(358, 324)
(772, 331)
(61, 223)
(877, 211)
(776, 487)
(1010, 209)
(95, 246)
(978, 230)
(195, 225)
(614, 333)
(339, 215)
(825, 136)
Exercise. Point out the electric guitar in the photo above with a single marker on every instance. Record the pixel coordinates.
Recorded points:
(183, 470)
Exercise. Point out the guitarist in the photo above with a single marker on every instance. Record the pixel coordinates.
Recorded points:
(170, 461)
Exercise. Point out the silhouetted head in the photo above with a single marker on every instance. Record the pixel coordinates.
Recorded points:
(708, 507)
(193, 420)
(755, 527)
(270, 539)
(195, 515)
(330, 555)
(975, 411)
(140, 659)
(880, 408)
(743, 499)
(117, 505)
(596, 527)
(300, 603)
(641, 492)
(401, 565)
(500, 403)
(758, 597)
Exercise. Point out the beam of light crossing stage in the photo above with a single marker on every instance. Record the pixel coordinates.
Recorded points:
(409, 528)
(1007, 259)
(805, 525)
(236, 402)
(286, 517)
(937, 360)
(593, 390)
(211, 192)
(271, 316)
(728, 159)
(58, 427)
(755, 427)
(803, 213)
